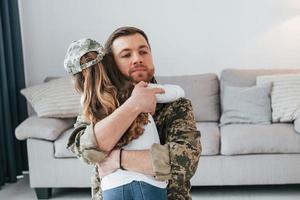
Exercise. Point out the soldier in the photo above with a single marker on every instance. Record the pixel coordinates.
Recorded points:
(175, 159)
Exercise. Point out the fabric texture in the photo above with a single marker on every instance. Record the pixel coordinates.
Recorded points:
(172, 92)
(60, 150)
(247, 77)
(77, 49)
(246, 105)
(136, 190)
(285, 95)
(238, 139)
(250, 169)
(210, 138)
(56, 98)
(178, 134)
(202, 90)
(42, 128)
(297, 125)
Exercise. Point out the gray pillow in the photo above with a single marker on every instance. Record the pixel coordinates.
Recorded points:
(251, 105)
(43, 128)
(297, 124)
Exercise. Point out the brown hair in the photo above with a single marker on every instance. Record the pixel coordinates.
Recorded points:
(104, 89)
(123, 31)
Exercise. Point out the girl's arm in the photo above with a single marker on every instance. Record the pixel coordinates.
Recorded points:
(172, 92)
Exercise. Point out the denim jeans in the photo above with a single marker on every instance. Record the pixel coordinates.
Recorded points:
(136, 190)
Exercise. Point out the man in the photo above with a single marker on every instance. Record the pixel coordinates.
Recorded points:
(176, 158)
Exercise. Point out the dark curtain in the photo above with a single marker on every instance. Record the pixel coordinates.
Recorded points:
(13, 109)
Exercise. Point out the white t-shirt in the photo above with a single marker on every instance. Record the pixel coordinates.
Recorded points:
(145, 141)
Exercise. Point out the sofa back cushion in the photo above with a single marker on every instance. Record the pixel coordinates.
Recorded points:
(249, 105)
(247, 77)
(202, 90)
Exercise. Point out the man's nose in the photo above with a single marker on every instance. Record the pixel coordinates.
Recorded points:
(137, 59)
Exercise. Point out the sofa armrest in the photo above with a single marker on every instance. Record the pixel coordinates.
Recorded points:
(43, 128)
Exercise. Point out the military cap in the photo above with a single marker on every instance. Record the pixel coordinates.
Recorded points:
(77, 49)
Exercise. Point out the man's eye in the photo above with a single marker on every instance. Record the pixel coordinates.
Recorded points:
(126, 55)
(143, 52)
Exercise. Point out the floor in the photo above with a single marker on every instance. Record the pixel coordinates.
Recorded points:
(22, 191)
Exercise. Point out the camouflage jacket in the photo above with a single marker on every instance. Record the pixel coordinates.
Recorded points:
(175, 159)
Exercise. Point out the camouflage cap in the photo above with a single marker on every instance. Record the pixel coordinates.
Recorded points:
(79, 48)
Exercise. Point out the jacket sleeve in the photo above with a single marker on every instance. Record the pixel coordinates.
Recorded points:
(178, 158)
(83, 143)
(172, 92)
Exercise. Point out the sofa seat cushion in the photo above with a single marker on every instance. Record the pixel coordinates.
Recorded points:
(210, 137)
(258, 138)
(60, 146)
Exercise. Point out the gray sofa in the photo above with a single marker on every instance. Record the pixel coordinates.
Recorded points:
(234, 154)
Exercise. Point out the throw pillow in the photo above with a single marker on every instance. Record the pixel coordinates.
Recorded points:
(43, 128)
(250, 105)
(285, 95)
(56, 98)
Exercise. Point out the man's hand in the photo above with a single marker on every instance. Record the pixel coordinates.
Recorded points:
(144, 98)
(109, 164)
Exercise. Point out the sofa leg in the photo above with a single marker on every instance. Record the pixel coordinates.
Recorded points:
(43, 193)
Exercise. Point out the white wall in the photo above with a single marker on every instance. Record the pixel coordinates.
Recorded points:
(187, 37)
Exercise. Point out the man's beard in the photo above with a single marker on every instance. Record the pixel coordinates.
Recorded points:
(145, 75)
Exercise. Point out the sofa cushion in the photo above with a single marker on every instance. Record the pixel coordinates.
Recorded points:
(56, 98)
(297, 124)
(246, 77)
(60, 145)
(202, 90)
(247, 105)
(285, 95)
(43, 128)
(258, 138)
(210, 137)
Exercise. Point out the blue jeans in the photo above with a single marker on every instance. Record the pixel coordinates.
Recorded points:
(136, 190)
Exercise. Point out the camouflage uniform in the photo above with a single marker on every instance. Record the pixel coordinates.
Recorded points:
(175, 159)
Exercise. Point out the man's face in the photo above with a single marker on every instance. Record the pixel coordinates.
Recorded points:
(133, 57)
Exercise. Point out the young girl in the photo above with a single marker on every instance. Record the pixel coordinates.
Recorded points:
(103, 89)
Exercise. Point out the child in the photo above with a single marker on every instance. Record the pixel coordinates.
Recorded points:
(95, 79)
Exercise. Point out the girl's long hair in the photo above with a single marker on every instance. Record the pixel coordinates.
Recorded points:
(104, 89)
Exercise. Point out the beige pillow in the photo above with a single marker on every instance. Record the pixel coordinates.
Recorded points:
(285, 95)
(56, 98)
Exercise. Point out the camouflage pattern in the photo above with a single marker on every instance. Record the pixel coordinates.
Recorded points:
(79, 48)
(180, 144)
(176, 126)
(96, 185)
